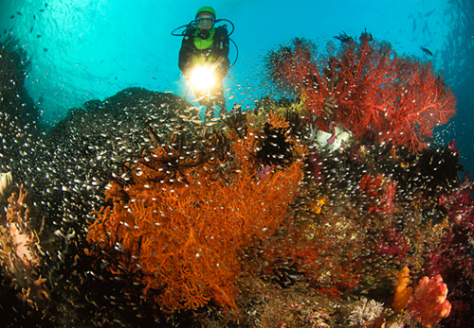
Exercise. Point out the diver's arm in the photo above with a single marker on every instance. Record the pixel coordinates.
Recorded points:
(185, 53)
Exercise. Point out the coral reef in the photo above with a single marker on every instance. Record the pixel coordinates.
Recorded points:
(366, 86)
(452, 257)
(365, 313)
(428, 302)
(250, 220)
(381, 191)
(185, 218)
(438, 168)
(21, 251)
(5, 187)
(403, 292)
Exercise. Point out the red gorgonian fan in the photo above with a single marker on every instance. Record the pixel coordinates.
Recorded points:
(366, 87)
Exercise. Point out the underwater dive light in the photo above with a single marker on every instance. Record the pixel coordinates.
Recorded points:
(203, 78)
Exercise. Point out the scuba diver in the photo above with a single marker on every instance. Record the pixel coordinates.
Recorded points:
(204, 59)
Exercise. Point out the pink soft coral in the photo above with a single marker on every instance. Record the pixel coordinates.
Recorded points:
(428, 304)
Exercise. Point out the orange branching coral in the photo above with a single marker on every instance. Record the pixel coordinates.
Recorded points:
(184, 224)
(403, 292)
(278, 122)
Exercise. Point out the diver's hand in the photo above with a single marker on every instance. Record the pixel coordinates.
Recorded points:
(187, 73)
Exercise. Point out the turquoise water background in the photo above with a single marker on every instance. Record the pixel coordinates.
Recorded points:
(90, 49)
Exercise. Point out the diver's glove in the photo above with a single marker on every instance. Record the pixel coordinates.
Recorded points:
(187, 73)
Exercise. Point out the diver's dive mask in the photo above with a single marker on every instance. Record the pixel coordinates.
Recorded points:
(205, 22)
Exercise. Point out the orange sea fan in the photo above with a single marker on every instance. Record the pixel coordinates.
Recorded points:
(277, 122)
(186, 229)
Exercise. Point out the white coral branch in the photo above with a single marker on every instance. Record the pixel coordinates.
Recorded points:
(365, 313)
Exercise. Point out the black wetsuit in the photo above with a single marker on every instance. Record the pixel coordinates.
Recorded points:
(218, 50)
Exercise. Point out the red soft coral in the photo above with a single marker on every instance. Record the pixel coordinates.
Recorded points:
(381, 192)
(428, 304)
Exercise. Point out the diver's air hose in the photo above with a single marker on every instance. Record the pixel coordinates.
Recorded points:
(193, 24)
